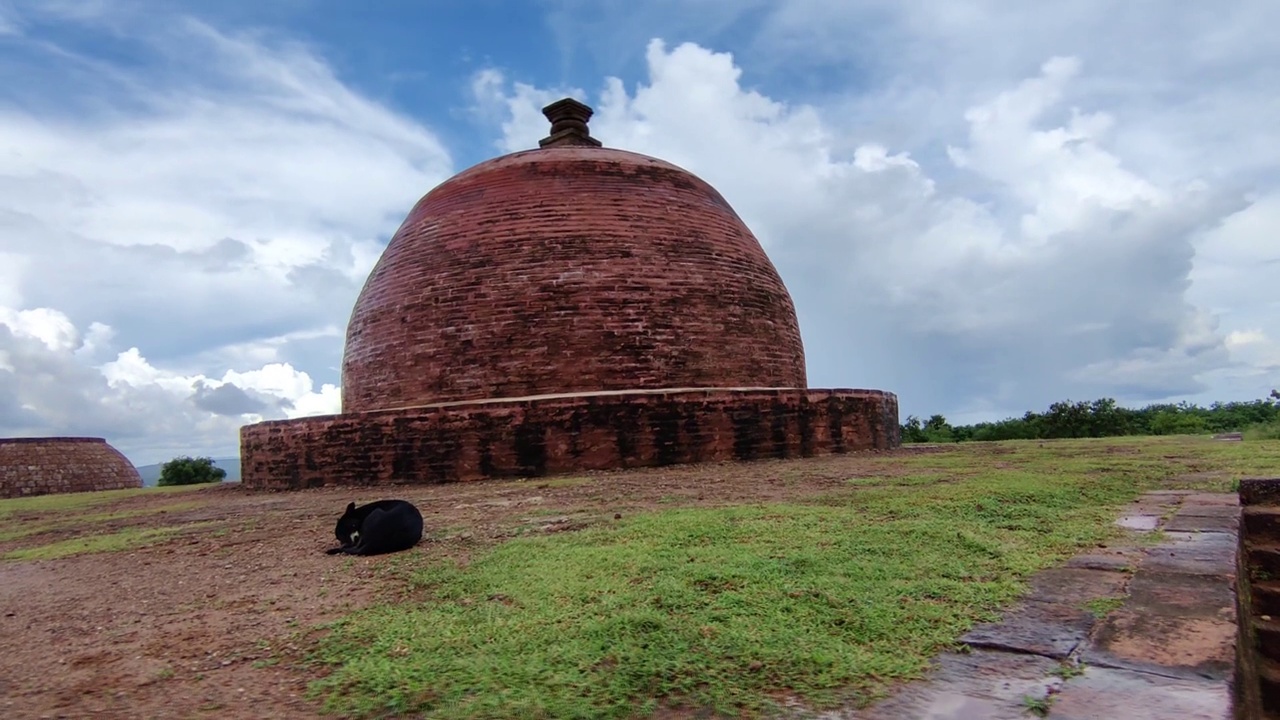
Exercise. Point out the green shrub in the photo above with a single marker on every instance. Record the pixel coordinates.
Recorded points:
(1263, 431)
(190, 471)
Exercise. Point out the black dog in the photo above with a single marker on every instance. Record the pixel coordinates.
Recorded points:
(379, 527)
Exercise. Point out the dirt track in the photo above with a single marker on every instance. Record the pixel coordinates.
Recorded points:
(191, 627)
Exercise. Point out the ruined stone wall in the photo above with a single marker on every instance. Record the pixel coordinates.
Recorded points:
(1257, 681)
(568, 270)
(40, 466)
(533, 437)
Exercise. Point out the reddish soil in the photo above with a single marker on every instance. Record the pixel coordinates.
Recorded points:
(213, 621)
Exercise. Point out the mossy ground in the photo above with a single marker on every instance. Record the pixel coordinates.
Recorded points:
(719, 588)
(60, 525)
(831, 598)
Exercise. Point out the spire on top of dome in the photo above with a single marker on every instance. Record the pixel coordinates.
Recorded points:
(568, 124)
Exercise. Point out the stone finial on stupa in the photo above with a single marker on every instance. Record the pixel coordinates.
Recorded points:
(568, 124)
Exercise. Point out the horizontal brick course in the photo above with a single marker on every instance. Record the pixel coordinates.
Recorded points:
(550, 435)
(41, 466)
(568, 269)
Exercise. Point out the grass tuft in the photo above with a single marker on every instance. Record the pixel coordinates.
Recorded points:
(126, 539)
(69, 502)
(26, 529)
(1263, 431)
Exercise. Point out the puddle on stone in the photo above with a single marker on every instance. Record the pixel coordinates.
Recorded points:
(1143, 523)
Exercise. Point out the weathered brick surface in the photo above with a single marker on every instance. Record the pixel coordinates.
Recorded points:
(533, 437)
(568, 269)
(40, 466)
(1257, 677)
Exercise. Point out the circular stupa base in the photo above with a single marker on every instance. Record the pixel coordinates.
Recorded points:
(46, 465)
(556, 434)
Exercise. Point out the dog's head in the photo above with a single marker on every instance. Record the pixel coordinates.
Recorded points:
(348, 528)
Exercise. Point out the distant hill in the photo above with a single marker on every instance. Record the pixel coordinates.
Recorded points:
(151, 473)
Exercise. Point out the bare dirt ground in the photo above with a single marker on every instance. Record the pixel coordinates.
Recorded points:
(208, 622)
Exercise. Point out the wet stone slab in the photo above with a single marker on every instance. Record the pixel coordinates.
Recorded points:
(1122, 694)
(1158, 506)
(1138, 521)
(1113, 558)
(1162, 593)
(1075, 586)
(1208, 509)
(1049, 629)
(980, 684)
(1211, 499)
(1171, 646)
(1182, 522)
(1193, 553)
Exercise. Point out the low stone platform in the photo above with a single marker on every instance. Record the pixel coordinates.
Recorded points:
(549, 434)
(1163, 648)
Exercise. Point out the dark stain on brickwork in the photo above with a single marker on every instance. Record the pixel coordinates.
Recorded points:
(804, 429)
(747, 435)
(531, 448)
(625, 423)
(835, 424)
(780, 428)
(484, 442)
(664, 427)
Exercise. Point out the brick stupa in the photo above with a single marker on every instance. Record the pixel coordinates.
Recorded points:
(47, 465)
(563, 309)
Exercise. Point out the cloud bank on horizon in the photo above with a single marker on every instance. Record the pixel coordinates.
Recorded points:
(984, 210)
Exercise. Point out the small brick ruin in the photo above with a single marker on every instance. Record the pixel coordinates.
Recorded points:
(47, 465)
(567, 308)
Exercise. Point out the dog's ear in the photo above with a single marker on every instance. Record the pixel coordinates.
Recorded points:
(351, 507)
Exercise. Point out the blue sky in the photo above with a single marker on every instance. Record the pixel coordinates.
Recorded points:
(980, 205)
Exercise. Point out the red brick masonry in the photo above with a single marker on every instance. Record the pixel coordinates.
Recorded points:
(1257, 679)
(40, 466)
(568, 270)
(526, 437)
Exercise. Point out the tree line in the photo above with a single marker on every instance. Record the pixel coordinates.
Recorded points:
(1257, 419)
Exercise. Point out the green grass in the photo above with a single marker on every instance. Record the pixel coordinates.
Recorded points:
(19, 531)
(126, 539)
(1068, 669)
(1102, 606)
(830, 599)
(1263, 431)
(69, 502)
(1037, 706)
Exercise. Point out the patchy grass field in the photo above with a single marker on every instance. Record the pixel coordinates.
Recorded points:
(717, 588)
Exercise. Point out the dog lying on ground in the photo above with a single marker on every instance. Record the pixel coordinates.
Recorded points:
(384, 526)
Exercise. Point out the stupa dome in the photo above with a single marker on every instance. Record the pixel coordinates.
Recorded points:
(567, 269)
(45, 465)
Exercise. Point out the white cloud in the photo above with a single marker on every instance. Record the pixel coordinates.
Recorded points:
(48, 383)
(207, 218)
(1243, 338)
(1045, 266)
(985, 207)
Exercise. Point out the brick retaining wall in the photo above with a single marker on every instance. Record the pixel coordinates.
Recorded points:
(540, 436)
(1257, 680)
(40, 466)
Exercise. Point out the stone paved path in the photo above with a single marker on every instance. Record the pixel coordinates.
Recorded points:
(1164, 650)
